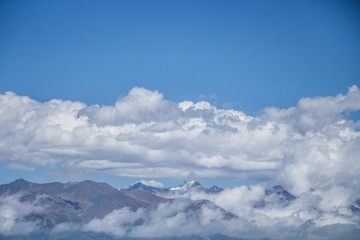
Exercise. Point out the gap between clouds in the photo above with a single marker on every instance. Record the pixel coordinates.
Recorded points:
(313, 145)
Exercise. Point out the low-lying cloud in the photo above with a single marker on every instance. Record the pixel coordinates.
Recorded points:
(311, 215)
(168, 219)
(13, 215)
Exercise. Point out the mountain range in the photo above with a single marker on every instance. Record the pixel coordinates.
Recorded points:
(87, 202)
(81, 202)
(187, 186)
(77, 202)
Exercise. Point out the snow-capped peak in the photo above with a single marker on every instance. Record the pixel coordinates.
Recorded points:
(186, 186)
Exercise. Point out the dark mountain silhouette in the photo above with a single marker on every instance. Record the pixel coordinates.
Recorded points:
(80, 202)
(77, 202)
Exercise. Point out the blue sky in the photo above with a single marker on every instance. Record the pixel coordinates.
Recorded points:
(250, 54)
(245, 55)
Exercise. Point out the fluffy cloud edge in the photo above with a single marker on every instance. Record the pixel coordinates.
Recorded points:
(312, 145)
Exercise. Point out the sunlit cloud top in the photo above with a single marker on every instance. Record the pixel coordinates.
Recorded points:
(313, 145)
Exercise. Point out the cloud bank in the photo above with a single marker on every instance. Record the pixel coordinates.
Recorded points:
(13, 215)
(310, 216)
(178, 218)
(311, 146)
(307, 218)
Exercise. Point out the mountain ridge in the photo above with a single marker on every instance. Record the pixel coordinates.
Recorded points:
(88, 199)
(81, 202)
(186, 186)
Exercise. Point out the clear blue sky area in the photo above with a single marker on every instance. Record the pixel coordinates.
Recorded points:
(241, 54)
(245, 55)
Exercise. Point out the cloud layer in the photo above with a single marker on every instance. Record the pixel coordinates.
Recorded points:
(13, 215)
(313, 145)
(309, 217)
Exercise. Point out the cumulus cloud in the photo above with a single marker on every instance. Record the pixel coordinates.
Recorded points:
(310, 146)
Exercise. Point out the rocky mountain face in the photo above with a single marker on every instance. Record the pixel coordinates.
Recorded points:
(142, 186)
(89, 205)
(275, 195)
(77, 202)
(185, 187)
(81, 202)
(355, 207)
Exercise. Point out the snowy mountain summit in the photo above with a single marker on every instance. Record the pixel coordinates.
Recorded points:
(185, 187)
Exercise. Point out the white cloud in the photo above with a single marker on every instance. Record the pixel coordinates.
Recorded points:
(13, 213)
(305, 218)
(310, 216)
(140, 105)
(177, 218)
(312, 145)
(152, 183)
